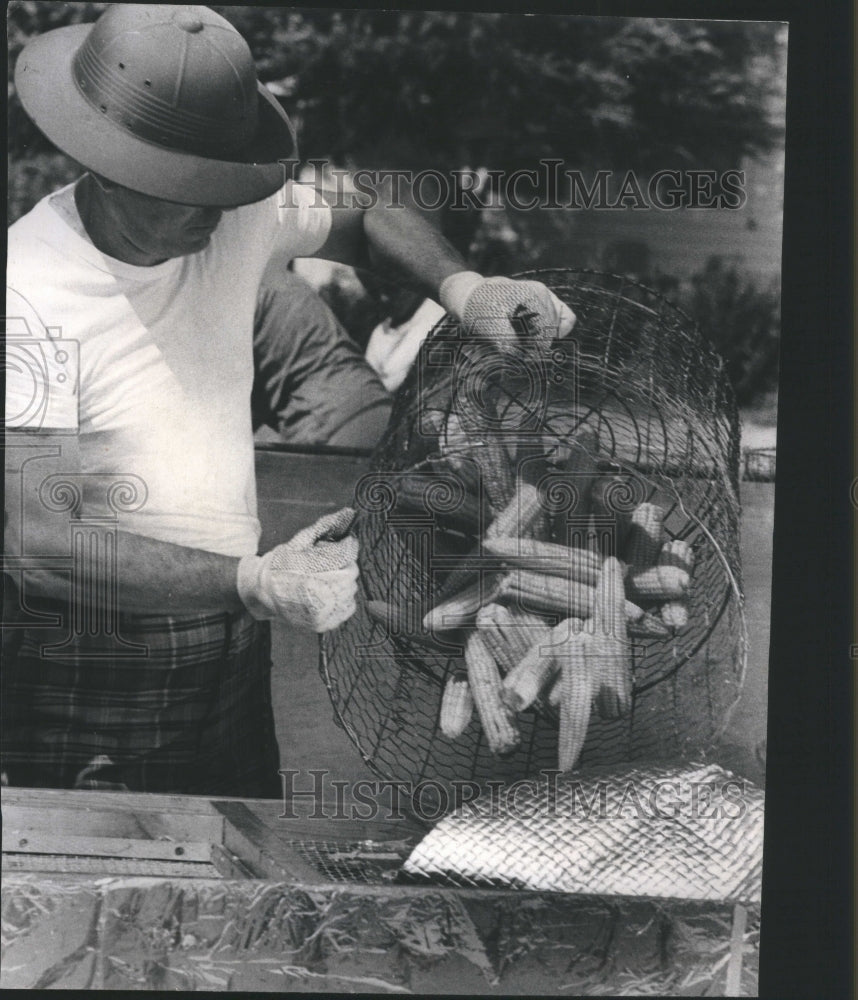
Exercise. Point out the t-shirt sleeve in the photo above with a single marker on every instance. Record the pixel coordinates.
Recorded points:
(41, 371)
(303, 220)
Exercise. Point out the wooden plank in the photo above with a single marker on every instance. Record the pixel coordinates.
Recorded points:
(733, 985)
(257, 845)
(125, 847)
(230, 865)
(33, 818)
(107, 801)
(183, 826)
(115, 822)
(329, 825)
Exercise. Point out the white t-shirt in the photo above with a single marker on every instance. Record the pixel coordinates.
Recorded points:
(153, 365)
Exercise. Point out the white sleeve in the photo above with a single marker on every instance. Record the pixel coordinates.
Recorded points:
(303, 220)
(41, 371)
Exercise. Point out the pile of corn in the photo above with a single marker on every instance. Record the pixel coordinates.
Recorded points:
(514, 660)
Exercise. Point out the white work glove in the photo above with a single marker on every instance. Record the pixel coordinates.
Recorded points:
(310, 580)
(486, 307)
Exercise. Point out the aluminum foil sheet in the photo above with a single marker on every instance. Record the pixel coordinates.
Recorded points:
(252, 936)
(682, 832)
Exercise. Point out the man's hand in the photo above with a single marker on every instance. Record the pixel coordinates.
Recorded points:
(506, 312)
(310, 581)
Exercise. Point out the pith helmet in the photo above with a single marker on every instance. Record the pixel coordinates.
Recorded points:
(161, 99)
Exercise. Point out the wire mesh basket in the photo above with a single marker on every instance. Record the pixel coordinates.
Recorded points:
(638, 383)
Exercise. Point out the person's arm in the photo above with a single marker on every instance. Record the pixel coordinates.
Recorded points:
(310, 580)
(311, 383)
(391, 238)
(151, 575)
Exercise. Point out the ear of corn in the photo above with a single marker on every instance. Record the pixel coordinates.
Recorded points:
(534, 672)
(487, 452)
(634, 613)
(464, 575)
(516, 519)
(454, 439)
(676, 554)
(580, 565)
(674, 614)
(602, 507)
(679, 553)
(493, 460)
(514, 632)
(658, 583)
(522, 685)
(576, 459)
(462, 608)
(519, 515)
(411, 497)
(484, 679)
(576, 695)
(478, 396)
(489, 619)
(644, 537)
(649, 627)
(533, 468)
(497, 647)
(612, 663)
(523, 588)
(547, 593)
(457, 706)
(463, 468)
(609, 605)
(398, 626)
(521, 629)
(594, 543)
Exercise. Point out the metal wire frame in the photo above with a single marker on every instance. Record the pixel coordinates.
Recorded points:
(639, 374)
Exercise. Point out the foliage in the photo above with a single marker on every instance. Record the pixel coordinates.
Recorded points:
(449, 89)
(743, 322)
(33, 177)
(411, 88)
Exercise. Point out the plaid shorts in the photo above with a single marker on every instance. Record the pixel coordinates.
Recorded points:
(184, 707)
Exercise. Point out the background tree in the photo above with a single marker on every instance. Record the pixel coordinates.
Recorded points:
(454, 90)
(417, 89)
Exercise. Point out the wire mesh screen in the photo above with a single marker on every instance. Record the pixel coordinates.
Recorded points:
(644, 399)
(629, 831)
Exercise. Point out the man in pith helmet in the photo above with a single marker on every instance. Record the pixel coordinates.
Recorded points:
(138, 284)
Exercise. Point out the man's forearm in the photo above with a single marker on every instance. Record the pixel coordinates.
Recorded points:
(394, 240)
(401, 240)
(150, 576)
(397, 241)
